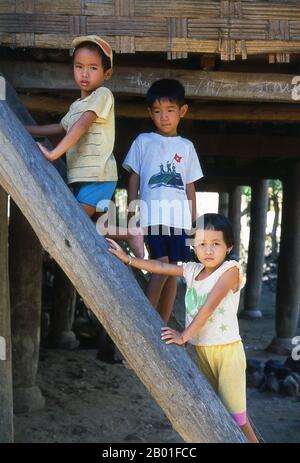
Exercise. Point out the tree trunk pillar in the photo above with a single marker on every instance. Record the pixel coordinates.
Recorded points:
(6, 395)
(256, 250)
(288, 287)
(62, 312)
(234, 214)
(223, 203)
(25, 269)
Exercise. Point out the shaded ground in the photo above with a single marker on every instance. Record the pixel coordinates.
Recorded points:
(90, 401)
(276, 416)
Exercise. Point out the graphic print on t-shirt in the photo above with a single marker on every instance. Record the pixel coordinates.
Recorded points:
(193, 301)
(167, 176)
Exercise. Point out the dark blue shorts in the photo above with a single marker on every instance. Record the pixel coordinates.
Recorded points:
(168, 242)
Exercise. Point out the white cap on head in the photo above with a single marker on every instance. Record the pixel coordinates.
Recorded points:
(105, 47)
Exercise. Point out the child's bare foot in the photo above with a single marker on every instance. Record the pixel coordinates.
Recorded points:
(136, 244)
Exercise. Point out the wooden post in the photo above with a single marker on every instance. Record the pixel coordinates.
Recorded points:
(62, 312)
(25, 270)
(288, 287)
(109, 289)
(223, 203)
(6, 396)
(256, 250)
(25, 254)
(234, 215)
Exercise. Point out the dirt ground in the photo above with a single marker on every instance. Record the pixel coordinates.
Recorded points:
(91, 401)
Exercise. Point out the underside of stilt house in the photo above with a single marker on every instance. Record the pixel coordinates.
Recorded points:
(236, 59)
(239, 63)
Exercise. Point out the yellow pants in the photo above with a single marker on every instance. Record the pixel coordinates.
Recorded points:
(224, 366)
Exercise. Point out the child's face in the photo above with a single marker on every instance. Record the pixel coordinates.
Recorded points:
(88, 71)
(166, 116)
(210, 248)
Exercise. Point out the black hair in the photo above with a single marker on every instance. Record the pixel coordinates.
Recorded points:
(169, 89)
(218, 222)
(106, 62)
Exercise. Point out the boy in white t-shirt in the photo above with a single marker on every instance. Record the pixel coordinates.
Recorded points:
(163, 168)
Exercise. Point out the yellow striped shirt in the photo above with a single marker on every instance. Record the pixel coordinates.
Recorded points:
(91, 159)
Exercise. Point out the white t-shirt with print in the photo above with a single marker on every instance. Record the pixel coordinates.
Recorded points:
(165, 166)
(222, 326)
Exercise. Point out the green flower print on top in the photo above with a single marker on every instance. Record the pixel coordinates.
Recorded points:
(223, 327)
(194, 301)
(221, 310)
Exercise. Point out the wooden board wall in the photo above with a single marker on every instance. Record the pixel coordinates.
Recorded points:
(227, 28)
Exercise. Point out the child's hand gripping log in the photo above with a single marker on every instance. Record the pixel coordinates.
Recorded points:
(117, 251)
(45, 151)
(171, 336)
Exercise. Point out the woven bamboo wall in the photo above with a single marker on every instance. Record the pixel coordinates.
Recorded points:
(228, 28)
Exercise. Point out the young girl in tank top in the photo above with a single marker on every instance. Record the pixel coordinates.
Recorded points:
(211, 300)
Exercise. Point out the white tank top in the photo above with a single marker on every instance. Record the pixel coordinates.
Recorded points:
(222, 326)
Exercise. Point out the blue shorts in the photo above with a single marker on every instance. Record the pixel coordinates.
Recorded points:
(162, 241)
(96, 194)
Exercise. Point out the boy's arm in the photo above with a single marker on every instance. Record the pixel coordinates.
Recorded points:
(45, 130)
(151, 265)
(133, 188)
(191, 196)
(225, 283)
(78, 129)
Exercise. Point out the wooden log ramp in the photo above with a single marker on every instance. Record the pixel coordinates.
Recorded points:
(109, 289)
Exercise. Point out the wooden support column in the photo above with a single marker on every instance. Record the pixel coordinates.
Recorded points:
(256, 250)
(223, 203)
(62, 312)
(6, 395)
(234, 215)
(25, 269)
(26, 280)
(288, 287)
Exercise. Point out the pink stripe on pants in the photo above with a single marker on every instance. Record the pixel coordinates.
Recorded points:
(240, 418)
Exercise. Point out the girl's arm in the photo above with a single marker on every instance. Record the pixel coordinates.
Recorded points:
(191, 196)
(78, 129)
(153, 266)
(45, 130)
(228, 281)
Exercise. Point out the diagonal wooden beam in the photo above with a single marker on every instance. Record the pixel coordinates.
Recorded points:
(109, 289)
